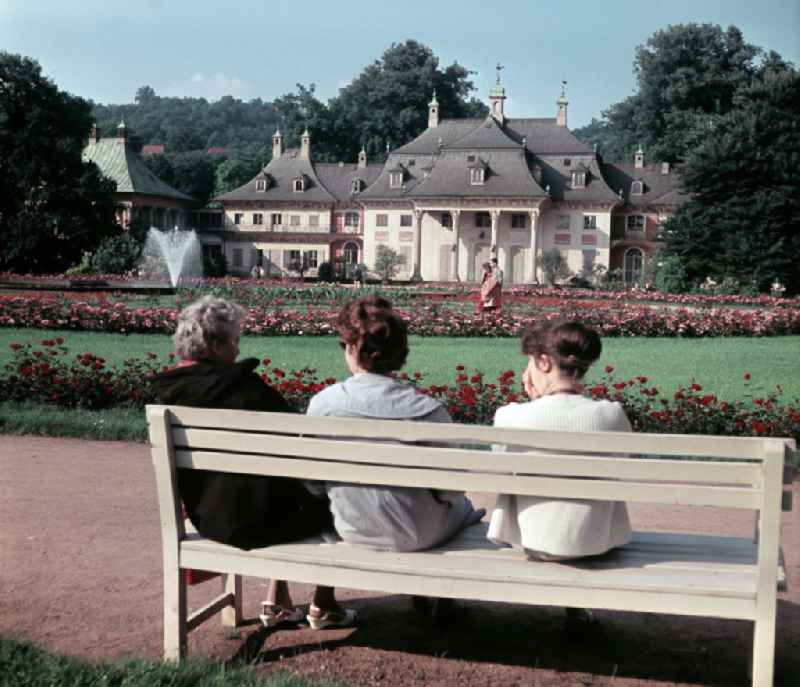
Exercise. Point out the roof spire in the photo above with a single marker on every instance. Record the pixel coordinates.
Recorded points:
(497, 94)
(562, 102)
(499, 67)
(433, 111)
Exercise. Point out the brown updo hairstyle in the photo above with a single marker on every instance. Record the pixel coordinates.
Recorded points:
(572, 346)
(379, 335)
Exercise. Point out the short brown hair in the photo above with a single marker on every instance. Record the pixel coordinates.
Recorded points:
(379, 335)
(572, 346)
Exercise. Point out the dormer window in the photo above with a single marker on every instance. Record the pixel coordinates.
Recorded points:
(567, 162)
(355, 186)
(395, 179)
(299, 185)
(261, 184)
(637, 188)
(578, 180)
(477, 176)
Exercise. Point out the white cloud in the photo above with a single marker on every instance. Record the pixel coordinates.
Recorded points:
(210, 86)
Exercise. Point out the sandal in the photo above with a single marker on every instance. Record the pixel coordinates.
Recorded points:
(275, 614)
(323, 620)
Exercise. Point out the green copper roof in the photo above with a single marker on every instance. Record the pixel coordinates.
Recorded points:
(121, 164)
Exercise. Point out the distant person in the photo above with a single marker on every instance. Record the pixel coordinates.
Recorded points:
(490, 296)
(375, 344)
(254, 274)
(245, 511)
(559, 354)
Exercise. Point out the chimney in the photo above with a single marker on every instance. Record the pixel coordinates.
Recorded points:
(665, 167)
(638, 158)
(433, 112)
(362, 159)
(94, 135)
(305, 145)
(122, 131)
(562, 102)
(277, 144)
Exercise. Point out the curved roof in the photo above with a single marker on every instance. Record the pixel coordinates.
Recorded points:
(118, 162)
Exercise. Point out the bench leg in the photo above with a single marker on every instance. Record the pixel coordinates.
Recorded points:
(764, 650)
(232, 615)
(174, 614)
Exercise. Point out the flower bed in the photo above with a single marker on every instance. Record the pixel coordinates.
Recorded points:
(620, 319)
(48, 373)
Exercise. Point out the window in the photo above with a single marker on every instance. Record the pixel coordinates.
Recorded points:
(447, 220)
(275, 219)
(406, 221)
(634, 222)
(476, 177)
(470, 158)
(589, 256)
(382, 220)
(261, 184)
(294, 220)
(567, 162)
(238, 257)
(259, 257)
(589, 239)
(350, 253)
(313, 220)
(578, 179)
(310, 258)
(590, 221)
(299, 185)
(238, 217)
(395, 179)
(562, 221)
(637, 188)
(258, 218)
(519, 221)
(355, 187)
(562, 239)
(483, 220)
(634, 260)
(351, 219)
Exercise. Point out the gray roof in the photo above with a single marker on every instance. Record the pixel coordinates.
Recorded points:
(557, 176)
(118, 162)
(488, 135)
(545, 136)
(659, 189)
(281, 173)
(448, 131)
(338, 179)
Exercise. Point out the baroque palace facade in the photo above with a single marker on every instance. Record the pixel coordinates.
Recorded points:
(464, 191)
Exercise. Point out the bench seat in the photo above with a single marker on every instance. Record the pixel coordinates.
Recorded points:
(670, 573)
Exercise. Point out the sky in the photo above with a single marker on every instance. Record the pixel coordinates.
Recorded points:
(104, 50)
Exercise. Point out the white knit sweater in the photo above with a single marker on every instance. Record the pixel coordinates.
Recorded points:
(561, 528)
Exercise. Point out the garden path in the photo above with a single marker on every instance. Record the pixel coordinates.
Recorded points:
(81, 574)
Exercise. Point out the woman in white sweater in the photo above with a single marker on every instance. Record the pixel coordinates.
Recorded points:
(559, 354)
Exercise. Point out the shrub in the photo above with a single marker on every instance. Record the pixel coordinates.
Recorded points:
(116, 255)
(325, 272)
(670, 275)
(554, 266)
(387, 262)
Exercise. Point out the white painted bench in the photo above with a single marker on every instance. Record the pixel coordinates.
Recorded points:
(686, 574)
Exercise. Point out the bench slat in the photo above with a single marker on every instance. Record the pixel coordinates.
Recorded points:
(555, 487)
(601, 442)
(465, 459)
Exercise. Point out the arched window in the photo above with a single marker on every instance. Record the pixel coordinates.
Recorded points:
(299, 184)
(637, 188)
(350, 253)
(634, 265)
(261, 184)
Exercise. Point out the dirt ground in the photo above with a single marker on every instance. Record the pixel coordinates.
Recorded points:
(81, 574)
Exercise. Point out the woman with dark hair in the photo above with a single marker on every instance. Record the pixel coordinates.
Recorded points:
(245, 511)
(375, 345)
(559, 354)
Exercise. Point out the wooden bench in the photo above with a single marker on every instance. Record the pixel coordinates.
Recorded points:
(686, 574)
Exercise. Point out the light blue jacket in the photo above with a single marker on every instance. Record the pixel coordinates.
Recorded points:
(390, 518)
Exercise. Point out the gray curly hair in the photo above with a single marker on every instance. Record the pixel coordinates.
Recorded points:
(205, 323)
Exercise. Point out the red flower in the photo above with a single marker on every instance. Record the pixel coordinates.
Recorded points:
(608, 369)
(598, 390)
(620, 385)
(458, 367)
(707, 400)
(759, 427)
(696, 387)
(746, 376)
(16, 346)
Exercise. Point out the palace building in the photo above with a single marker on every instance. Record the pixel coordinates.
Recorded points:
(462, 192)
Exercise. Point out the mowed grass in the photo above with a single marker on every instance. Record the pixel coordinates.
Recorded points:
(717, 364)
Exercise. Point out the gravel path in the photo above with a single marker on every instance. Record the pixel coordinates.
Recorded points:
(81, 574)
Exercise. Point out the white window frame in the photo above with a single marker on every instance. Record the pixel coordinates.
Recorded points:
(382, 219)
(261, 185)
(519, 221)
(446, 220)
(313, 220)
(637, 188)
(311, 259)
(483, 220)
(294, 220)
(238, 217)
(352, 219)
(562, 222)
(406, 220)
(298, 185)
(589, 222)
(578, 180)
(258, 218)
(635, 223)
(275, 219)
(355, 187)
(395, 179)
(477, 176)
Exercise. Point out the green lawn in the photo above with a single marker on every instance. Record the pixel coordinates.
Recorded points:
(717, 364)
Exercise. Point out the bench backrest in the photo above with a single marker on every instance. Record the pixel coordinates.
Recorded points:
(732, 472)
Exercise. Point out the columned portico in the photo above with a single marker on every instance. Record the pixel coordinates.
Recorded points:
(533, 262)
(455, 215)
(417, 273)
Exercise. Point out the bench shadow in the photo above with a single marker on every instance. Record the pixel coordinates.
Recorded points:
(644, 646)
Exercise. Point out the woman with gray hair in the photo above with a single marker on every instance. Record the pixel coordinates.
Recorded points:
(245, 511)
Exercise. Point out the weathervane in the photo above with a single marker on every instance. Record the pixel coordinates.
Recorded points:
(498, 68)
(563, 89)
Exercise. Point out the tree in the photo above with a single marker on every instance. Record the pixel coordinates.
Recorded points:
(240, 165)
(387, 262)
(53, 206)
(195, 174)
(687, 76)
(554, 266)
(742, 219)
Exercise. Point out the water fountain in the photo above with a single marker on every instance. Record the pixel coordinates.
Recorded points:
(174, 253)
